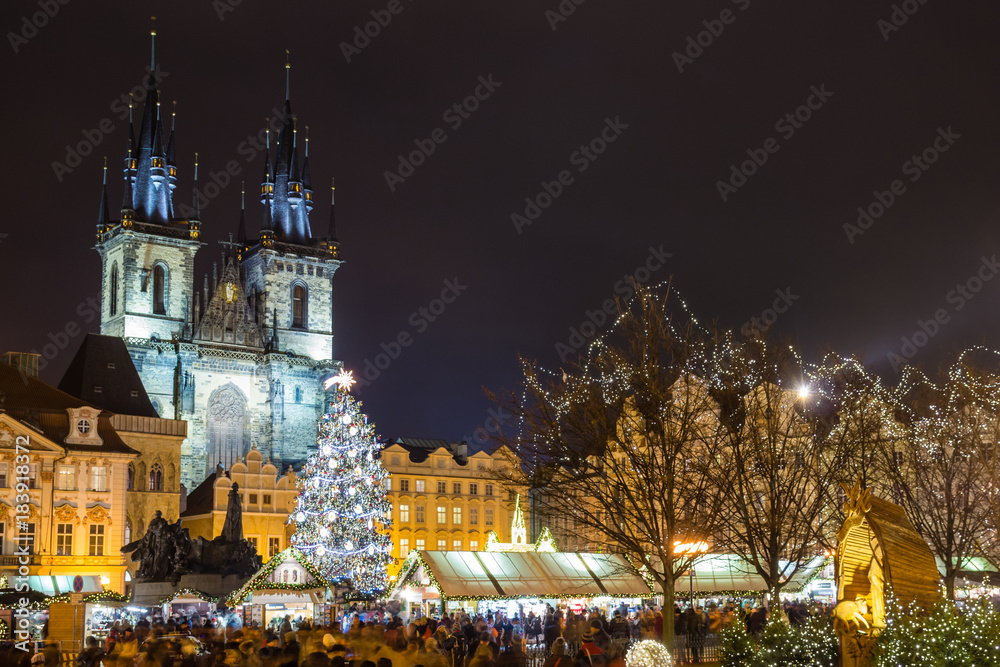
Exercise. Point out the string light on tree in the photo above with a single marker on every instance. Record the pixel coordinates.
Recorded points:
(341, 518)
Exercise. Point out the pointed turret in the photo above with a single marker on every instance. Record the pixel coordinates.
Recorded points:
(306, 174)
(331, 234)
(154, 181)
(293, 169)
(241, 231)
(158, 135)
(195, 196)
(103, 215)
(171, 157)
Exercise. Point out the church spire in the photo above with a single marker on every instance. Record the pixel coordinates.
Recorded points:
(331, 234)
(103, 215)
(306, 174)
(171, 158)
(241, 232)
(288, 76)
(196, 198)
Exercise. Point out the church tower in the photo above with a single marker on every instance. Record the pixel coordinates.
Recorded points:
(243, 354)
(147, 257)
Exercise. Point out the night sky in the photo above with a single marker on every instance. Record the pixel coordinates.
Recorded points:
(887, 92)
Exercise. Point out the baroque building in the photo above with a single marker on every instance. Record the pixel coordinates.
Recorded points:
(243, 359)
(444, 499)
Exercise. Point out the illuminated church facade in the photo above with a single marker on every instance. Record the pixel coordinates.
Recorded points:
(244, 358)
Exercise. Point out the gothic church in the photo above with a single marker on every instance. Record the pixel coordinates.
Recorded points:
(242, 360)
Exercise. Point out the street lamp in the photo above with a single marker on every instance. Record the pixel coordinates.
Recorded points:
(692, 549)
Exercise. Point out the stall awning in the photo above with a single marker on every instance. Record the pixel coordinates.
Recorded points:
(57, 584)
(513, 575)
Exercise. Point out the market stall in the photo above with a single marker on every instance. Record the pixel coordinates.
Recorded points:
(287, 584)
(434, 582)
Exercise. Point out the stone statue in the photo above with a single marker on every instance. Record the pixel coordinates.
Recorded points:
(232, 528)
(161, 552)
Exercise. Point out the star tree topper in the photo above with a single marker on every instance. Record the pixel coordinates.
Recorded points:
(344, 380)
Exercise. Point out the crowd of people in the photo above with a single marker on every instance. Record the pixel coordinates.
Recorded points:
(555, 638)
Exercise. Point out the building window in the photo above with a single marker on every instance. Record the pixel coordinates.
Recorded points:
(489, 517)
(299, 301)
(395, 459)
(32, 475)
(3, 475)
(456, 515)
(253, 498)
(510, 496)
(273, 546)
(473, 489)
(456, 488)
(420, 486)
(64, 539)
(489, 489)
(420, 544)
(228, 428)
(404, 548)
(404, 513)
(159, 290)
(129, 477)
(156, 477)
(67, 478)
(298, 394)
(96, 540)
(474, 516)
(27, 537)
(98, 479)
(387, 483)
(420, 514)
(254, 541)
(83, 426)
(442, 545)
(456, 545)
(113, 291)
(442, 487)
(128, 530)
(473, 545)
(442, 514)
(404, 485)
(267, 500)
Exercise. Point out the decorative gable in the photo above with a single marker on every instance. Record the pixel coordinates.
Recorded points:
(227, 317)
(83, 427)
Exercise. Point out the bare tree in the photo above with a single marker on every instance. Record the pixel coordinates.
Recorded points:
(620, 445)
(946, 461)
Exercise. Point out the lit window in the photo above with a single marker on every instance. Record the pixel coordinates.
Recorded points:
(442, 514)
(420, 486)
(456, 515)
(156, 477)
(489, 516)
(96, 540)
(254, 541)
(64, 539)
(456, 545)
(473, 545)
(67, 478)
(273, 545)
(404, 548)
(387, 484)
(442, 545)
(98, 478)
(27, 537)
(420, 544)
(404, 513)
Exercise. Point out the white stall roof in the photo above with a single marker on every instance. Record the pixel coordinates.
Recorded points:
(480, 574)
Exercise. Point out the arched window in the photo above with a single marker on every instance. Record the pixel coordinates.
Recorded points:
(159, 290)
(129, 478)
(156, 477)
(299, 301)
(140, 477)
(128, 530)
(228, 427)
(113, 290)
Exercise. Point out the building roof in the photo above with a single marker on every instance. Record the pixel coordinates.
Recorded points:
(202, 499)
(44, 407)
(104, 362)
(475, 575)
(419, 449)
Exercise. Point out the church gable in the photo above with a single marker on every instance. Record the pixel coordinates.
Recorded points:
(227, 317)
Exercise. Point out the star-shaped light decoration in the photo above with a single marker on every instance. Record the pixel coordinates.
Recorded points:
(344, 380)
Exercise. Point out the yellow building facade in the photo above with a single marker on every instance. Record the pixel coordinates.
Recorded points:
(267, 498)
(443, 499)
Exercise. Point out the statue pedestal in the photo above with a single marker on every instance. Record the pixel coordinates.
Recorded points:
(150, 593)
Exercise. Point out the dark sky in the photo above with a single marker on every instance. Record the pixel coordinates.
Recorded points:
(655, 185)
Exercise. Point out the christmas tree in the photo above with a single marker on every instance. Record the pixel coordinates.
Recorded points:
(342, 518)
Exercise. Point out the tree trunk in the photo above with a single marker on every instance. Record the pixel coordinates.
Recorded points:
(668, 613)
(949, 583)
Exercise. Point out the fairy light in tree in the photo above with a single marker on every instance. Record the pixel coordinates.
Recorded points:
(342, 514)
